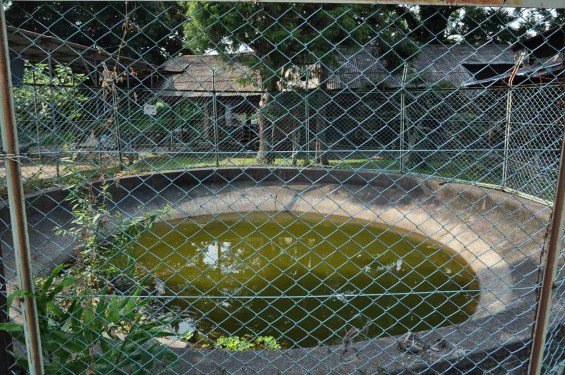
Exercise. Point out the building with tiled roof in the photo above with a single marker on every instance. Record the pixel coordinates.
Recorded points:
(352, 69)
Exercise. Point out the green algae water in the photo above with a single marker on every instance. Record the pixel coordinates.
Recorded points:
(306, 279)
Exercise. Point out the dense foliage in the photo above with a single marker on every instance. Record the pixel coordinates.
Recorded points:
(47, 104)
(154, 32)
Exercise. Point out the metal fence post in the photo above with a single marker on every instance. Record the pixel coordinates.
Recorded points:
(508, 122)
(116, 118)
(17, 206)
(557, 227)
(36, 113)
(215, 123)
(6, 361)
(403, 117)
(54, 116)
(307, 117)
(506, 151)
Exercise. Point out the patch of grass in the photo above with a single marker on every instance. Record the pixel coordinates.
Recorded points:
(461, 169)
(163, 163)
(366, 163)
(244, 162)
(167, 163)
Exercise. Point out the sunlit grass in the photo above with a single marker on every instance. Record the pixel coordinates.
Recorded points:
(166, 163)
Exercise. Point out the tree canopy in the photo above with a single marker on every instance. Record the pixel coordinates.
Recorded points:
(282, 36)
(154, 32)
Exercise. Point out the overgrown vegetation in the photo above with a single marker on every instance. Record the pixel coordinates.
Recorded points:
(90, 310)
(83, 328)
(105, 239)
(46, 102)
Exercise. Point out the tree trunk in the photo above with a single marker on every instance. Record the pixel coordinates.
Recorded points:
(295, 136)
(298, 147)
(321, 156)
(266, 127)
(412, 135)
(299, 140)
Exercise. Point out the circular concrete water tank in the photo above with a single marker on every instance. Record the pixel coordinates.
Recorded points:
(499, 235)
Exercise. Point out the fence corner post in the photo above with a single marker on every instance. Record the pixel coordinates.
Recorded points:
(549, 271)
(17, 205)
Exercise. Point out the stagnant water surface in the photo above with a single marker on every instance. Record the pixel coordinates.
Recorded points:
(306, 274)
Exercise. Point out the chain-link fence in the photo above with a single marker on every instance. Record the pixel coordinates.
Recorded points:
(252, 187)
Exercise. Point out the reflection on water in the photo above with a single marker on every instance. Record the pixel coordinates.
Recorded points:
(311, 278)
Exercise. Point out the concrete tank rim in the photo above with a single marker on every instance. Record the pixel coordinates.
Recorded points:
(421, 177)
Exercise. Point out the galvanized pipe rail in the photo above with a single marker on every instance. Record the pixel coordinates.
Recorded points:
(557, 227)
(16, 202)
(480, 3)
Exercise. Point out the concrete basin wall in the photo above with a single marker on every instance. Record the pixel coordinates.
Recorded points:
(498, 234)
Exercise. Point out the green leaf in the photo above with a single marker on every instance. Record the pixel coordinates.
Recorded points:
(11, 327)
(67, 342)
(129, 306)
(49, 281)
(105, 344)
(88, 314)
(66, 282)
(57, 311)
(113, 311)
(102, 305)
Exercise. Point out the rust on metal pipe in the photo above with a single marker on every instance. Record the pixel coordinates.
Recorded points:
(16, 203)
(549, 271)
(6, 360)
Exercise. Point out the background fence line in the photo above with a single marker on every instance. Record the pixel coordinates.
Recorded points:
(168, 133)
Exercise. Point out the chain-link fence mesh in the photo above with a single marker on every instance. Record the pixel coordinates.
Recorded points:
(289, 188)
